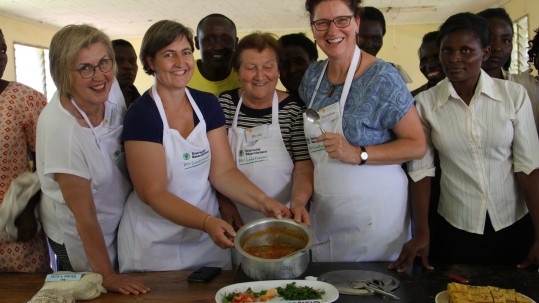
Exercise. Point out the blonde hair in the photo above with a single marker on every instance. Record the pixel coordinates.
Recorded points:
(64, 51)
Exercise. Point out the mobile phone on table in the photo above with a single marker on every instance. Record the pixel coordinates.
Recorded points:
(204, 274)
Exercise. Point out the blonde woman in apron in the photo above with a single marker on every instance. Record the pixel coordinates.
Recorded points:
(80, 159)
(176, 149)
(371, 127)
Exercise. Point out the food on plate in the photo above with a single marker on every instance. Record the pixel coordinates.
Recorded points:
(250, 296)
(272, 251)
(460, 293)
(290, 292)
(293, 292)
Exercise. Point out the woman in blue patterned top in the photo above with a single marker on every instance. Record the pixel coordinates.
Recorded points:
(369, 118)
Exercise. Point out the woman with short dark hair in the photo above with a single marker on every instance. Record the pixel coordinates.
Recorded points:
(177, 152)
(485, 136)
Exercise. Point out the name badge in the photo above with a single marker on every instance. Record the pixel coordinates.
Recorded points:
(112, 115)
(64, 277)
(330, 113)
(256, 133)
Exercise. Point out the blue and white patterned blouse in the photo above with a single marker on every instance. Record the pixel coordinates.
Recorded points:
(377, 101)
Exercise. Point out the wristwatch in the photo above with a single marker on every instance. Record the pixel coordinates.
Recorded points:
(363, 155)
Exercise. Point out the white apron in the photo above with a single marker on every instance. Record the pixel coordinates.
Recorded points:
(149, 242)
(266, 161)
(110, 198)
(362, 210)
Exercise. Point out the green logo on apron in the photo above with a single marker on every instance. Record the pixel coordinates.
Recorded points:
(186, 156)
(242, 153)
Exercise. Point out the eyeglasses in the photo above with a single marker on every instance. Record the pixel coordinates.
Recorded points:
(87, 71)
(340, 22)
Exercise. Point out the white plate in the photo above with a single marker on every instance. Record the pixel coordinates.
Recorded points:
(331, 294)
(443, 297)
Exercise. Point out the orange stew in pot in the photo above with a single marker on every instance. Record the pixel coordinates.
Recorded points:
(273, 251)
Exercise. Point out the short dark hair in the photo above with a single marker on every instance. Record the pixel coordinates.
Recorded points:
(299, 39)
(121, 42)
(534, 47)
(497, 13)
(373, 14)
(466, 21)
(159, 35)
(215, 16)
(428, 38)
(258, 41)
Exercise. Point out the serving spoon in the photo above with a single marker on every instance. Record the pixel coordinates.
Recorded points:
(373, 287)
(305, 249)
(314, 117)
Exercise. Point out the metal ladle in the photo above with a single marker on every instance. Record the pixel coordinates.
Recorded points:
(305, 249)
(372, 287)
(314, 117)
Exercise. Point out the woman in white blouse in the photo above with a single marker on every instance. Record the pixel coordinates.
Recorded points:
(485, 135)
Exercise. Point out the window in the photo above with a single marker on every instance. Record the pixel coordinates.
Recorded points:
(519, 56)
(32, 69)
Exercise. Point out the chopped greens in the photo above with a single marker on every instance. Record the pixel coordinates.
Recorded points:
(293, 292)
(289, 292)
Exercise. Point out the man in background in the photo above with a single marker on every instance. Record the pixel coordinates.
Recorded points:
(429, 62)
(371, 35)
(126, 59)
(216, 39)
(298, 53)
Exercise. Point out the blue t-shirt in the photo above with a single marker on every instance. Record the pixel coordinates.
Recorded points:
(143, 122)
(377, 101)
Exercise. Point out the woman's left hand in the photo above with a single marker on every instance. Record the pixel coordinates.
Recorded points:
(338, 147)
(124, 285)
(273, 208)
(221, 233)
(300, 213)
(533, 256)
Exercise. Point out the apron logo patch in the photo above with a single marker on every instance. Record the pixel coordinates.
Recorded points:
(248, 156)
(186, 156)
(194, 159)
(314, 146)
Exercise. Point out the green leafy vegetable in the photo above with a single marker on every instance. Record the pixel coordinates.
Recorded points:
(293, 292)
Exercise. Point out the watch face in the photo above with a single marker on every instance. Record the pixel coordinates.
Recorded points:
(364, 156)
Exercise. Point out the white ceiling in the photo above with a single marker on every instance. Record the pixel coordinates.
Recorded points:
(131, 18)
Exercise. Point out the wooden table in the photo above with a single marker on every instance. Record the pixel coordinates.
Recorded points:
(170, 286)
(417, 285)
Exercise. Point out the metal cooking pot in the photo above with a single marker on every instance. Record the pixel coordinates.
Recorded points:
(270, 231)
